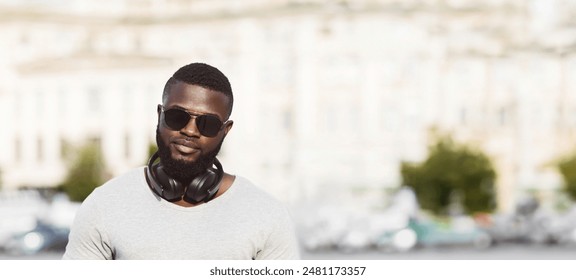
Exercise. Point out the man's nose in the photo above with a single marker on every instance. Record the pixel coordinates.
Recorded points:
(191, 129)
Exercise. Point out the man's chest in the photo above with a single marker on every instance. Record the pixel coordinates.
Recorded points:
(187, 239)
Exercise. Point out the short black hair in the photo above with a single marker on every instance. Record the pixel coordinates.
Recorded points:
(204, 75)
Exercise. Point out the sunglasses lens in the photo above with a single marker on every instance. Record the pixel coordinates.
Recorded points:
(208, 126)
(176, 119)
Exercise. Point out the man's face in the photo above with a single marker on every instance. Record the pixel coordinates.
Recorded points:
(187, 147)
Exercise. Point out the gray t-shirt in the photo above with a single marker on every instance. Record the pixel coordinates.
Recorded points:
(124, 219)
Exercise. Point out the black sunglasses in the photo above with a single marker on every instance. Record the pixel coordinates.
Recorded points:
(176, 119)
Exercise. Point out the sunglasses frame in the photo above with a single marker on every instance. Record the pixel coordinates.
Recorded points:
(192, 116)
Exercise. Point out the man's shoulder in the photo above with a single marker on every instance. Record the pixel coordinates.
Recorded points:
(256, 195)
(125, 182)
(245, 185)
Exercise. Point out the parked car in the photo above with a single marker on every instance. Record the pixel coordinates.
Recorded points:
(19, 211)
(425, 232)
(42, 238)
(560, 228)
(400, 240)
(530, 223)
(359, 231)
(460, 231)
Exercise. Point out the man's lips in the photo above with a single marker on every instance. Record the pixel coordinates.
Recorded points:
(184, 146)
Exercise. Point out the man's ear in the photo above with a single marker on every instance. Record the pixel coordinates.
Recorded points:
(228, 126)
(159, 111)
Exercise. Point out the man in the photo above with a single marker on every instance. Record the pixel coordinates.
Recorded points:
(182, 205)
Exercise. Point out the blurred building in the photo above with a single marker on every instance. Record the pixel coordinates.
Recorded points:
(330, 95)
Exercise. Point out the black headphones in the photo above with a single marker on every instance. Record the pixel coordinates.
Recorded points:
(202, 188)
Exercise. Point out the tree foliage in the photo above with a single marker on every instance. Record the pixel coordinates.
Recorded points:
(567, 169)
(452, 172)
(152, 148)
(86, 172)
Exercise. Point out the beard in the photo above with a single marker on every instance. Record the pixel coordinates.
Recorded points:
(181, 170)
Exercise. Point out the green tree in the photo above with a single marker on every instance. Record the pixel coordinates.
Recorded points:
(152, 148)
(86, 172)
(567, 169)
(452, 173)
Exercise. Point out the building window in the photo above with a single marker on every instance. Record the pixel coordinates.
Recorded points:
(127, 153)
(287, 120)
(94, 99)
(40, 149)
(40, 103)
(127, 98)
(62, 99)
(65, 148)
(17, 150)
(502, 116)
(24, 38)
(463, 116)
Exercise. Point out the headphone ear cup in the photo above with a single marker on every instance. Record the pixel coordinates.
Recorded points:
(205, 187)
(200, 187)
(172, 190)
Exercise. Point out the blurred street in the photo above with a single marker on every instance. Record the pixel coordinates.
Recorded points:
(502, 252)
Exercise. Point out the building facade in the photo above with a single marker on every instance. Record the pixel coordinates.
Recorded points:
(331, 96)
